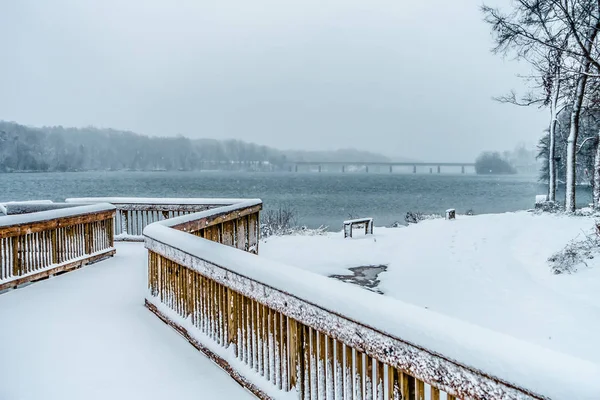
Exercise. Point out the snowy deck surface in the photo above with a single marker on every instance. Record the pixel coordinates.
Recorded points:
(490, 270)
(87, 335)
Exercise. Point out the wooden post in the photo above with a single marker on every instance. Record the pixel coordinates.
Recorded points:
(15, 256)
(110, 232)
(89, 238)
(124, 222)
(393, 384)
(54, 241)
(420, 390)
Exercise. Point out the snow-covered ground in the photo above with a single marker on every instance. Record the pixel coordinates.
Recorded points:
(87, 335)
(490, 270)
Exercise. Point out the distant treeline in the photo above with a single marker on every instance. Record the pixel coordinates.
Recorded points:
(24, 148)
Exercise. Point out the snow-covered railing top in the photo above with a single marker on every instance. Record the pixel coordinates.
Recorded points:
(194, 222)
(135, 213)
(24, 221)
(358, 220)
(156, 200)
(457, 357)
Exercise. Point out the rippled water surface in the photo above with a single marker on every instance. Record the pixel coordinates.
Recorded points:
(319, 198)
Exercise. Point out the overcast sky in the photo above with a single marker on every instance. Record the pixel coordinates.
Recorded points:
(402, 77)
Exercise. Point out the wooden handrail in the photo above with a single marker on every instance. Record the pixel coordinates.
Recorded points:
(325, 339)
(133, 214)
(36, 245)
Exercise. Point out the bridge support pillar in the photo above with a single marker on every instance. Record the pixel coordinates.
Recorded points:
(462, 169)
(439, 169)
(367, 168)
(319, 168)
(431, 170)
(414, 169)
(343, 169)
(391, 169)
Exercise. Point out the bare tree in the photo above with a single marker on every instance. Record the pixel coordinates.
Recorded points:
(569, 28)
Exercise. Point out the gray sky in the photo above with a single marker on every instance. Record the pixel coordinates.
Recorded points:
(405, 78)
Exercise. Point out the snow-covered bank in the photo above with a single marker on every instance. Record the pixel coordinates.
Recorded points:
(87, 335)
(490, 270)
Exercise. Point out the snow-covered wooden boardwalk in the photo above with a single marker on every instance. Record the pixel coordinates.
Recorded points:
(281, 331)
(87, 335)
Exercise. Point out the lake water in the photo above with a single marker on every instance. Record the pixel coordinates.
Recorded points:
(318, 198)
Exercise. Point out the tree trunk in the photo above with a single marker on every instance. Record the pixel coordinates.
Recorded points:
(572, 140)
(552, 140)
(596, 192)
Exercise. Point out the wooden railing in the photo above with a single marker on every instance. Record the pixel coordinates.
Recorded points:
(282, 331)
(37, 245)
(135, 213)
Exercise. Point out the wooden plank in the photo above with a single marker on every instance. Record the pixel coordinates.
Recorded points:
(227, 229)
(348, 369)
(242, 233)
(16, 265)
(253, 233)
(307, 369)
(435, 394)
(369, 390)
(358, 375)
(275, 347)
(254, 333)
(338, 370)
(232, 315)
(420, 390)
(321, 360)
(408, 386)
(379, 380)
(329, 372)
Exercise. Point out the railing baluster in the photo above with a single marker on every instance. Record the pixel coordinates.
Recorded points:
(369, 389)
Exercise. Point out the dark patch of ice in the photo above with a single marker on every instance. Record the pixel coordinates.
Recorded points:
(365, 276)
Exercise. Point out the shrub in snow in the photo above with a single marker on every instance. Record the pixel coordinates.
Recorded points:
(470, 212)
(575, 254)
(549, 206)
(416, 217)
(587, 212)
(282, 222)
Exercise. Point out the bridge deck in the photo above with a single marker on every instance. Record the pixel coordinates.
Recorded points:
(87, 335)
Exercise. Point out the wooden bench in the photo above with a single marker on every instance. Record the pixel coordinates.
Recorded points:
(349, 224)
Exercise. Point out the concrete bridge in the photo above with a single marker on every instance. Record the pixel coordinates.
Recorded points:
(343, 165)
